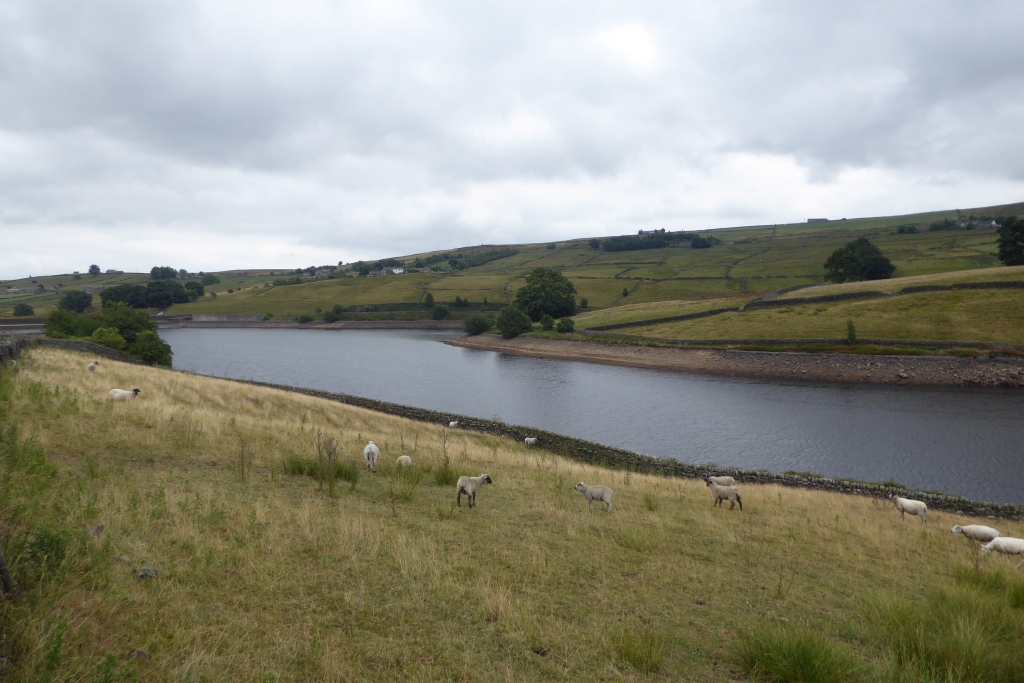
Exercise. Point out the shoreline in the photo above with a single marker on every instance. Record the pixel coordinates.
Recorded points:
(314, 325)
(1002, 371)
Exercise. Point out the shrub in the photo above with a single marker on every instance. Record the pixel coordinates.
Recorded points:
(699, 242)
(858, 260)
(512, 322)
(547, 322)
(584, 303)
(650, 502)
(23, 309)
(338, 309)
(150, 348)
(268, 315)
(906, 230)
(643, 651)
(795, 654)
(331, 317)
(428, 300)
(109, 337)
(303, 319)
(210, 279)
(594, 243)
(625, 291)
(477, 323)
(195, 286)
(446, 476)
(546, 291)
(851, 332)
(460, 302)
(566, 325)
(75, 300)
(1011, 241)
(550, 246)
(440, 312)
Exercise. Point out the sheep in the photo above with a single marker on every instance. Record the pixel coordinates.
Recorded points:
(976, 532)
(469, 486)
(371, 453)
(909, 506)
(453, 424)
(729, 493)
(1007, 546)
(122, 395)
(530, 441)
(721, 481)
(404, 461)
(592, 493)
(91, 367)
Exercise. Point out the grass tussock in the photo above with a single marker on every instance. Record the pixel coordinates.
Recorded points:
(266, 573)
(794, 654)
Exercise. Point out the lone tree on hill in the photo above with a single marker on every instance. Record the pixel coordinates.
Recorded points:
(1011, 241)
(858, 260)
(94, 269)
(546, 291)
(162, 273)
(75, 300)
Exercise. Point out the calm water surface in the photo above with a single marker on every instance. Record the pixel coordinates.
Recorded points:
(963, 441)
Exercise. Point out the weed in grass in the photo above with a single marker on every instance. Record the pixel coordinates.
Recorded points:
(445, 511)
(650, 502)
(643, 649)
(92, 466)
(243, 459)
(794, 654)
(326, 461)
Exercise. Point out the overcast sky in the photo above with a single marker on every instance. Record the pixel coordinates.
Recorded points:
(215, 135)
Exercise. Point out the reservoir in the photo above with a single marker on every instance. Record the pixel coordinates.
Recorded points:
(963, 441)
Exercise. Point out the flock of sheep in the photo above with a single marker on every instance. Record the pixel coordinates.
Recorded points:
(722, 488)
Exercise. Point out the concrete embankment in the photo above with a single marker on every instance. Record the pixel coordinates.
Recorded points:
(1000, 370)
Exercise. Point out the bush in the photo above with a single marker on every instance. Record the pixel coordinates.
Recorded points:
(338, 309)
(794, 654)
(858, 260)
(268, 316)
(163, 273)
(23, 309)
(546, 291)
(477, 323)
(566, 325)
(1011, 241)
(699, 242)
(550, 246)
(547, 322)
(594, 243)
(331, 317)
(109, 337)
(303, 319)
(584, 303)
(210, 279)
(460, 302)
(150, 348)
(851, 332)
(195, 286)
(428, 300)
(440, 312)
(512, 322)
(906, 230)
(75, 300)
(625, 291)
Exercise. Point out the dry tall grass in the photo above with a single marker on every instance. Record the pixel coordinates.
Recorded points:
(268, 577)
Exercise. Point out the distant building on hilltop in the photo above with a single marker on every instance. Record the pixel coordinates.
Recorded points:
(817, 220)
(111, 271)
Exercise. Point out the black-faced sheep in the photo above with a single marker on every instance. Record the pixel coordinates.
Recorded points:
(91, 367)
(122, 395)
(469, 486)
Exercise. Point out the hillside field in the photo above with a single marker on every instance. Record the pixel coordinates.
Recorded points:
(269, 576)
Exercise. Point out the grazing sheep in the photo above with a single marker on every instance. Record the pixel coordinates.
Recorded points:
(729, 493)
(721, 481)
(404, 461)
(530, 441)
(122, 395)
(976, 532)
(1007, 546)
(469, 486)
(592, 493)
(91, 367)
(371, 454)
(453, 424)
(912, 507)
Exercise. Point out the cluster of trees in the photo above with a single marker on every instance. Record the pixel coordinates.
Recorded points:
(117, 326)
(159, 293)
(858, 260)
(1011, 241)
(656, 239)
(908, 229)
(546, 296)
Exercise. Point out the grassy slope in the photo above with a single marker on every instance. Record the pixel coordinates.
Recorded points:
(751, 260)
(46, 300)
(267, 578)
(660, 309)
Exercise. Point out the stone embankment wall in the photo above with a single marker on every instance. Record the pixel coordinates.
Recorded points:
(666, 319)
(767, 341)
(10, 347)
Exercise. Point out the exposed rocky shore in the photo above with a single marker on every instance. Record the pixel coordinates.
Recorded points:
(1000, 370)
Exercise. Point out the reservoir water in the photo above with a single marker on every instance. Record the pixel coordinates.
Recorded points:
(963, 441)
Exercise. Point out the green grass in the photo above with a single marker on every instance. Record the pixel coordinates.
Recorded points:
(275, 577)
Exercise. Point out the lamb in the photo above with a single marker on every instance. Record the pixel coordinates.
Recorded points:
(530, 441)
(404, 461)
(453, 424)
(908, 506)
(371, 454)
(721, 481)
(1007, 546)
(592, 493)
(122, 395)
(729, 493)
(91, 367)
(976, 532)
(469, 486)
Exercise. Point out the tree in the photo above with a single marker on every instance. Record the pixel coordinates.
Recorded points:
(164, 293)
(625, 291)
(546, 291)
(512, 322)
(566, 325)
(477, 323)
(546, 322)
(331, 317)
(195, 286)
(75, 300)
(132, 295)
(150, 348)
(584, 303)
(699, 242)
(858, 260)
(162, 273)
(428, 300)
(594, 243)
(440, 312)
(109, 337)
(210, 279)
(23, 309)
(1011, 241)
(94, 269)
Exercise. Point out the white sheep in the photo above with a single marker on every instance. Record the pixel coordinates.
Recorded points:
(122, 395)
(91, 367)
(592, 493)
(530, 441)
(721, 481)
(453, 424)
(976, 532)
(404, 461)
(729, 493)
(371, 454)
(469, 486)
(908, 506)
(1007, 546)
